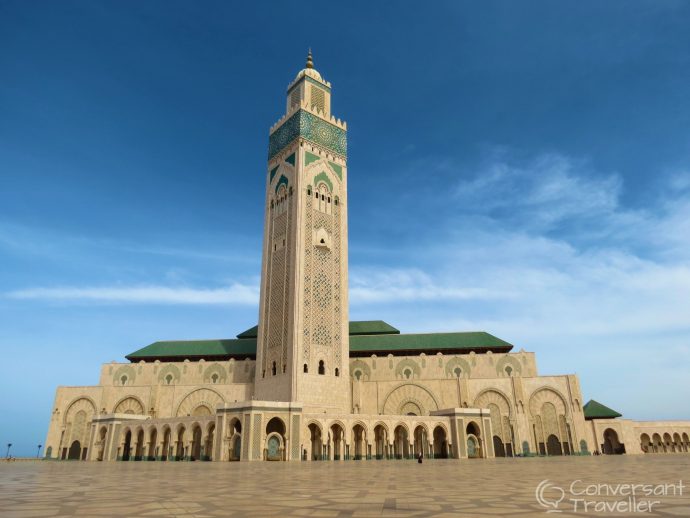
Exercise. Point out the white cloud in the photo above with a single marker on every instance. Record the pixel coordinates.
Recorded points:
(236, 294)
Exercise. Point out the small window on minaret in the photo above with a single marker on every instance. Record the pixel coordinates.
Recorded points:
(337, 372)
(273, 370)
(306, 368)
(322, 368)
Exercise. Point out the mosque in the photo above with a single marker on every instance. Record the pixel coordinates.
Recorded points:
(308, 384)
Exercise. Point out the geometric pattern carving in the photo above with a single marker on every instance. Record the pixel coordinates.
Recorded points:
(407, 364)
(295, 443)
(458, 363)
(489, 397)
(508, 361)
(363, 368)
(81, 404)
(400, 397)
(169, 373)
(217, 370)
(124, 373)
(206, 397)
(545, 395)
(129, 405)
(257, 434)
(309, 127)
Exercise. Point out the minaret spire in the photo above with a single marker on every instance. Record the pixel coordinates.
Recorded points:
(310, 61)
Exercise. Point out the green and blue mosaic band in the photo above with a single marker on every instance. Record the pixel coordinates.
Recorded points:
(310, 127)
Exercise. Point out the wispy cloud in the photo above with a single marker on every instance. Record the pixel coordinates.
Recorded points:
(379, 285)
(236, 294)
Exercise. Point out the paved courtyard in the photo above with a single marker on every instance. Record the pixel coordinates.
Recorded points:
(499, 487)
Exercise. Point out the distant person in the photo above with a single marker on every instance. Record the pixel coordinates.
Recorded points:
(419, 457)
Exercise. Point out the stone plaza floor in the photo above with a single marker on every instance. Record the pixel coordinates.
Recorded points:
(442, 488)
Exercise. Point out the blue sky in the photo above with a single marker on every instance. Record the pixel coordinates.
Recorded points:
(520, 168)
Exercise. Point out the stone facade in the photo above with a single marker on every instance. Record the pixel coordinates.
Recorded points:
(300, 395)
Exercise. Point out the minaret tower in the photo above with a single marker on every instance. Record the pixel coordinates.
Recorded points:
(303, 344)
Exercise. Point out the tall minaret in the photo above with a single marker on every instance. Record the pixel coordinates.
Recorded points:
(303, 347)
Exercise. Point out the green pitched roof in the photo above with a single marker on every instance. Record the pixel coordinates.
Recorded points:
(175, 349)
(430, 343)
(357, 327)
(252, 332)
(595, 410)
(366, 338)
(372, 327)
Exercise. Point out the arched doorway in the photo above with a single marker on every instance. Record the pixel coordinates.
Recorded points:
(195, 454)
(401, 443)
(646, 443)
(359, 442)
(668, 443)
(139, 453)
(338, 436)
(658, 444)
(165, 453)
(381, 441)
(686, 442)
(275, 440)
(153, 437)
(677, 443)
(421, 442)
(208, 444)
(553, 445)
(235, 453)
(180, 446)
(316, 442)
(74, 452)
(100, 444)
(127, 447)
(611, 446)
(499, 447)
(474, 445)
(440, 443)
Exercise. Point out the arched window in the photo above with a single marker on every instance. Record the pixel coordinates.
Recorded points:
(306, 368)
(322, 367)
(509, 370)
(407, 373)
(214, 378)
(168, 379)
(273, 370)
(457, 371)
(337, 372)
(123, 380)
(358, 374)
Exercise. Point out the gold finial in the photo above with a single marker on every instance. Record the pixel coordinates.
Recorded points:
(310, 61)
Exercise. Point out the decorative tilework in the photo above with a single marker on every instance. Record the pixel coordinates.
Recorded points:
(291, 159)
(282, 181)
(310, 127)
(310, 157)
(323, 177)
(338, 169)
(273, 173)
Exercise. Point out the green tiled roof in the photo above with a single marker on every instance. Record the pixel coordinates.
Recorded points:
(595, 410)
(252, 332)
(429, 342)
(366, 338)
(192, 349)
(372, 327)
(357, 327)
